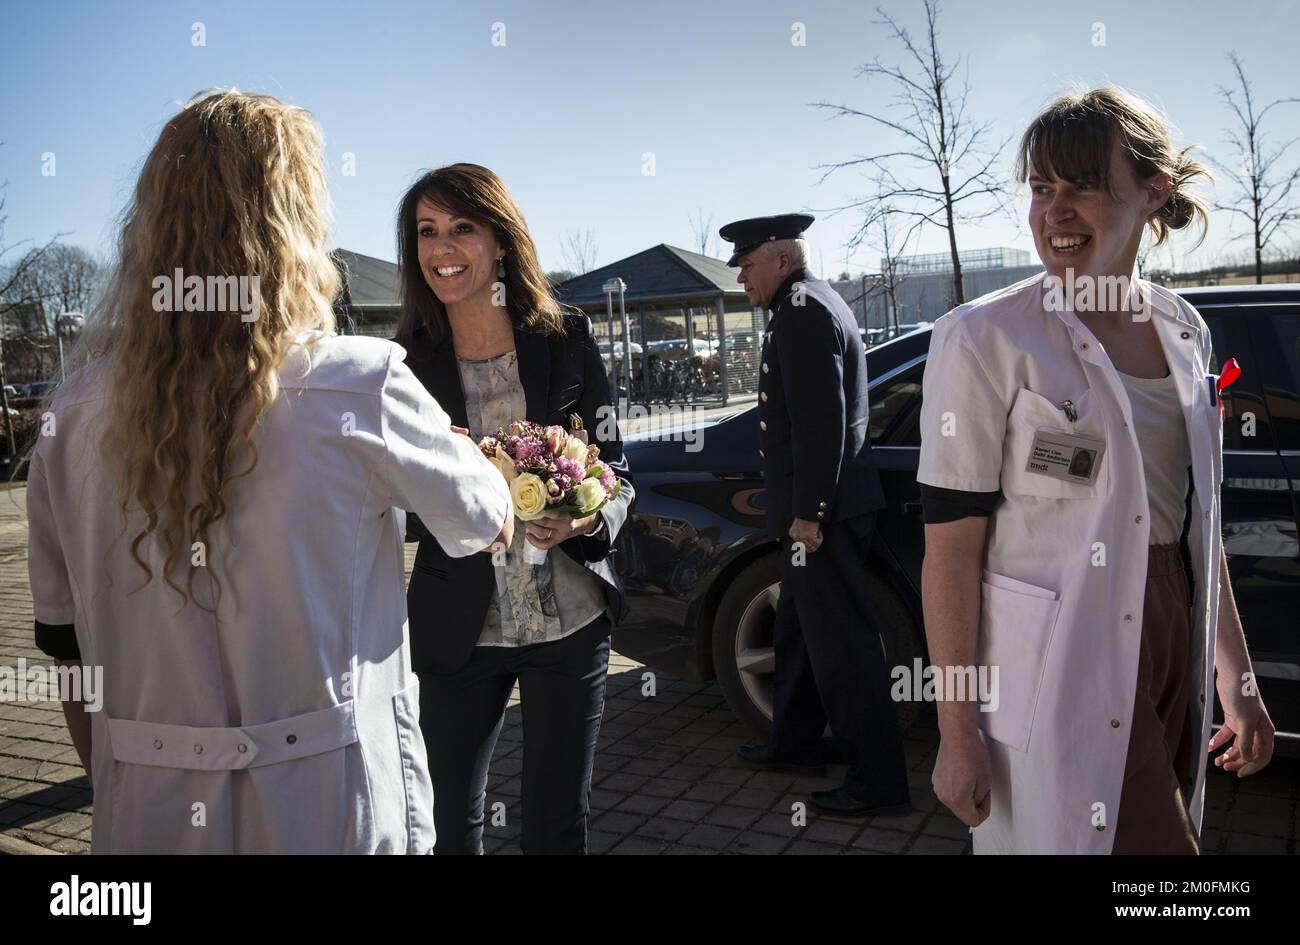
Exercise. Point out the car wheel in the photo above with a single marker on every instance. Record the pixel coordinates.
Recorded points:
(742, 641)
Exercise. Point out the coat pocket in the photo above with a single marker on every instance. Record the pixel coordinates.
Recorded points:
(416, 782)
(1016, 624)
(1033, 412)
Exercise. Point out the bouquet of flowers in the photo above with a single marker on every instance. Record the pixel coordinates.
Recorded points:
(549, 470)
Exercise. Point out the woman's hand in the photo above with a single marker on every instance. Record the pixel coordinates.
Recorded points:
(1246, 725)
(553, 528)
(963, 777)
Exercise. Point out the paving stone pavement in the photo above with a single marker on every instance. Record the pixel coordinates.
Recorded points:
(666, 777)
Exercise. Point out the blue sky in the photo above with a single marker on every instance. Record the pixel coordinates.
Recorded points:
(565, 110)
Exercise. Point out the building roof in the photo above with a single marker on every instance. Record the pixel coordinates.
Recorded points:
(369, 283)
(660, 272)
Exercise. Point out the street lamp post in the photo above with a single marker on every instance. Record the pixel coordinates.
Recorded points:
(610, 287)
(66, 323)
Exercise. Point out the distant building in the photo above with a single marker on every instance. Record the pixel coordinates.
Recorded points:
(370, 298)
(924, 290)
(684, 311)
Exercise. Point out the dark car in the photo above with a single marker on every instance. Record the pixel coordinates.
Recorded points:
(703, 578)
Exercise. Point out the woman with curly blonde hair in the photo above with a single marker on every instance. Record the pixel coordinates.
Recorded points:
(213, 516)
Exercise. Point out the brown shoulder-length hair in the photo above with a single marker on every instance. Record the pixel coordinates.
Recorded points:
(1072, 141)
(474, 192)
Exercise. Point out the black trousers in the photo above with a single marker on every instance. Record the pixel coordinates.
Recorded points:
(562, 697)
(830, 665)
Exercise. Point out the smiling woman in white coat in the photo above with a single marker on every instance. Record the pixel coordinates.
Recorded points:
(213, 517)
(1070, 467)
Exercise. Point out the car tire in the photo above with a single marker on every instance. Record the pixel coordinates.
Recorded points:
(742, 641)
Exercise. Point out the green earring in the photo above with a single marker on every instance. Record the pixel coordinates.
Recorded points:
(501, 268)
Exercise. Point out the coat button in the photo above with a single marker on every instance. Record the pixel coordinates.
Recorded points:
(1186, 334)
(761, 455)
(1114, 723)
(292, 739)
(1138, 520)
(764, 367)
(821, 514)
(821, 505)
(198, 749)
(1101, 826)
(763, 396)
(243, 749)
(1128, 618)
(762, 424)
(157, 743)
(1084, 345)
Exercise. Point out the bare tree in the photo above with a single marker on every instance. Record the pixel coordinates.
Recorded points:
(62, 279)
(887, 237)
(702, 232)
(13, 279)
(579, 251)
(1263, 187)
(944, 161)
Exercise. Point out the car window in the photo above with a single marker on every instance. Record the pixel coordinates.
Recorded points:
(1246, 423)
(1279, 351)
(896, 409)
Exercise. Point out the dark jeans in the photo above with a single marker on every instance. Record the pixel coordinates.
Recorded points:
(562, 698)
(829, 665)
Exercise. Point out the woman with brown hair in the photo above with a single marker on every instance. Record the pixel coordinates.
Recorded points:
(489, 341)
(1098, 591)
(214, 517)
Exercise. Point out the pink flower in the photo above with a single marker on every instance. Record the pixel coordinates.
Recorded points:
(571, 469)
(607, 477)
(555, 438)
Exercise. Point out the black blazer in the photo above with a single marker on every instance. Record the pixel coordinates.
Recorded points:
(813, 414)
(448, 597)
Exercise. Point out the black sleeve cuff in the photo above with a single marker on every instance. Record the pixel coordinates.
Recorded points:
(415, 530)
(58, 641)
(950, 505)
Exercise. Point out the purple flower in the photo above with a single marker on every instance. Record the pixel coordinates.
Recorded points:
(607, 478)
(529, 449)
(571, 469)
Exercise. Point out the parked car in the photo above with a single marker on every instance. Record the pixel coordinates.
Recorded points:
(39, 388)
(703, 578)
(604, 347)
(674, 349)
(744, 340)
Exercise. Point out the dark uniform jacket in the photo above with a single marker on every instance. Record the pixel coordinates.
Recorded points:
(561, 375)
(812, 393)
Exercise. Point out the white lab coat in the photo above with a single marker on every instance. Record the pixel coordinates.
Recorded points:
(290, 724)
(1064, 628)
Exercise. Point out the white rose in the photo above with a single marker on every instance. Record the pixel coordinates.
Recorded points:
(576, 449)
(528, 493)
(506, 465)
(590, 495)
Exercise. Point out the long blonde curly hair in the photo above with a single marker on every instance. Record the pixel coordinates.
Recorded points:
(235, 186)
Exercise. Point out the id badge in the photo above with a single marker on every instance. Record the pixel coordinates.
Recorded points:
(1066, 456)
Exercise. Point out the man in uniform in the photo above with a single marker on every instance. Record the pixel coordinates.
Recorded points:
(823, 492)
